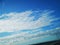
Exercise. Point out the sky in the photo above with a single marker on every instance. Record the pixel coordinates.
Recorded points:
(21, 5)
(28, 17)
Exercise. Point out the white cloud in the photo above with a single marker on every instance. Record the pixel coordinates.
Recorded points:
(21, 21)
(19, 38)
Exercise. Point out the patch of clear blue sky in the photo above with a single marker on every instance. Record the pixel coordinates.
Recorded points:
(7, 6)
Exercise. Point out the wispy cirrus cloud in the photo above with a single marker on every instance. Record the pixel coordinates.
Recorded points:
(14, 21)
(23, 21)
(24, 37)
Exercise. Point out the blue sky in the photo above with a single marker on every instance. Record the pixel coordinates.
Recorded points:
(21, 16)
(21, 5)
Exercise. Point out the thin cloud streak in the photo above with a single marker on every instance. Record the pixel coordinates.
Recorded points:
(21, 21)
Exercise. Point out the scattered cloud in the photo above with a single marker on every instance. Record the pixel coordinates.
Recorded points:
(21, 38)
(14, 21)
(22, 21)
